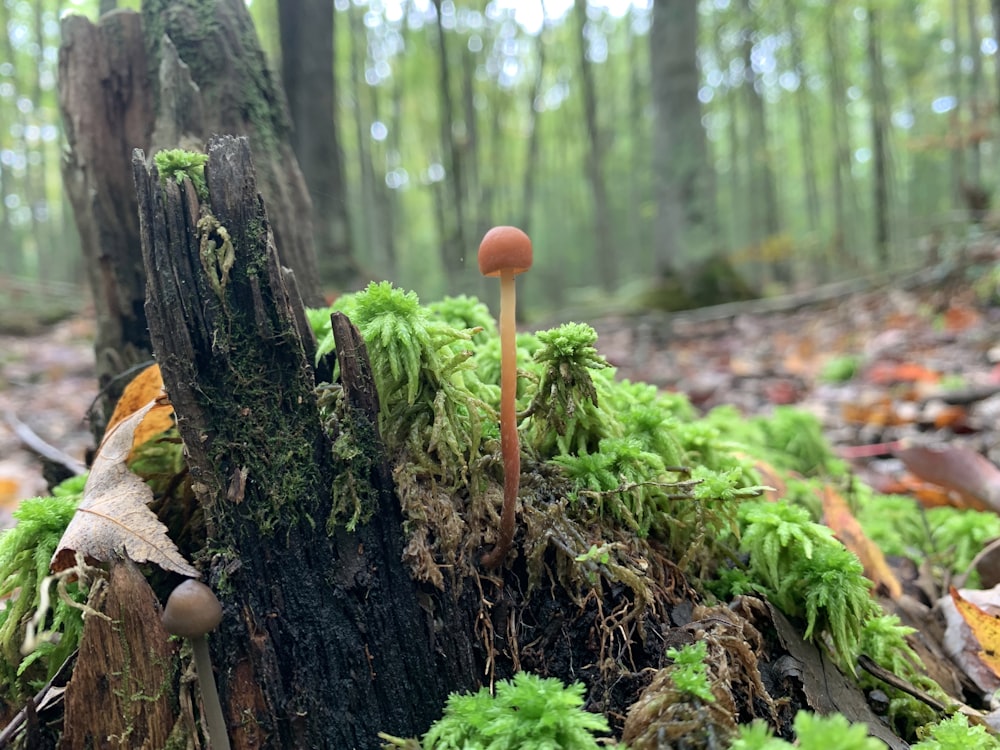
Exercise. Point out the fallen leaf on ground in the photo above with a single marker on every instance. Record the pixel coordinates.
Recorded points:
(843, 523)
(985, 627)
(113, 519)
(956, 468)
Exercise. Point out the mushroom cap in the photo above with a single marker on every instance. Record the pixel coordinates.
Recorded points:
(504, 248)
(192, 610)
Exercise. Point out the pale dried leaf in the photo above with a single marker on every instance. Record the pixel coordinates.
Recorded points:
(113, 520)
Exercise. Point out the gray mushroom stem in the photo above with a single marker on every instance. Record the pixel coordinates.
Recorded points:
(218, 735)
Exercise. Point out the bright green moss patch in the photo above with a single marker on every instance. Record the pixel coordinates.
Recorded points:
(25, 552)
(176, 164)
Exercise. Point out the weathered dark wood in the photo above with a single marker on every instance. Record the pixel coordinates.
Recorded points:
(121, 685)
(166, 79)
(236, 92)
(107, 110)
(323, 642)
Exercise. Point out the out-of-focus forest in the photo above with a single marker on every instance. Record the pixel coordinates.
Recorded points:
(802, 141)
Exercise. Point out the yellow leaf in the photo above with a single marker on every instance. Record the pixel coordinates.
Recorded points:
(113, 520)
(145, 387)
(984, 626)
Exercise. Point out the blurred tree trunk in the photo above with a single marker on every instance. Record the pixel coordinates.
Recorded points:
(607, 258)
(10, 254)
(528, 179)
(205, 73)
(995, 13)
(956, 133)
(307, 66)
(880, 137)
(845, 201)
(977, 125)
(805, 121)
(761, 169)
(638, 186)
(107, 105)
(682, 172)
(369, 235)
(451, 221)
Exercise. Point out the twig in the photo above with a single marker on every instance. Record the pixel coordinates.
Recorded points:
(34, 443)
(869, 665)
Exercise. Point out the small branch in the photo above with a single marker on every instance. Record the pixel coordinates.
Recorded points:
(38, 446)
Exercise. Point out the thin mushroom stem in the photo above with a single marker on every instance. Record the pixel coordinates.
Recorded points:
(509, 444)
(218, 735)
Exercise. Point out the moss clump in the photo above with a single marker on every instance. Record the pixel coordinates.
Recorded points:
(25, 552)
(813, 732)
(527, 711)
(176, 164)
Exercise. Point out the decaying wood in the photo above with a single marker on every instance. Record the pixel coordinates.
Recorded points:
(121, 88)
(107, 110)
(120, 694)
(324, 641)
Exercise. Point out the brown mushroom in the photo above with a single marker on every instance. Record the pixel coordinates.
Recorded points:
(506, 252)
(192, 611)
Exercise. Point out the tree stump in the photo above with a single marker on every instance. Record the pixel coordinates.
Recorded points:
(324, 641)
(165, 79)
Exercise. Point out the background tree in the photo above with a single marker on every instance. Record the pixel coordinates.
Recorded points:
(684, 202)
(770, 79)
(307, 68)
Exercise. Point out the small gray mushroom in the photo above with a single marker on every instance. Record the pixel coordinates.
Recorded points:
(192, 611)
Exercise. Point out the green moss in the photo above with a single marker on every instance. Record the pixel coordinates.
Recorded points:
(955, 733)
(689, 672)
(25, 553)
(176, 164)
(813, 732)
(526, 712)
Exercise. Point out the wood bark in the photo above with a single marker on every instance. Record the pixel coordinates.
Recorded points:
(108, 110)
(323, 642)
(168, 78)
(308, 71)
(122, 676)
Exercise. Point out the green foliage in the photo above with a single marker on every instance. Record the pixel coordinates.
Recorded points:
(883, 639)
(527, 712)
(689, 672)
(814, 732)
(464, 312)
(950, 537)
(807, 573)
(955, 733)
(621, 481)
(176, 163)
(840, 369)
(565, 417)
(25, 552)
(420, 367)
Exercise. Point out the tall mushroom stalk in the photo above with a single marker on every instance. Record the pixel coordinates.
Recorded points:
(506, 252)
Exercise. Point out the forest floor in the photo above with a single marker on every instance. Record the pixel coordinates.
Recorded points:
(915, 361)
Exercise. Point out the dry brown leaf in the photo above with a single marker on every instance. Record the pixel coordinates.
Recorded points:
(838, 517)
(113, 519)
